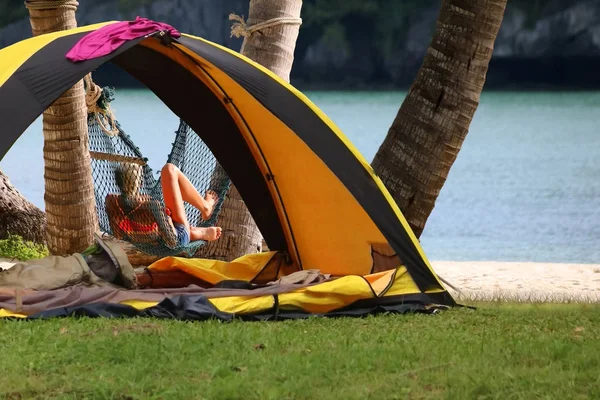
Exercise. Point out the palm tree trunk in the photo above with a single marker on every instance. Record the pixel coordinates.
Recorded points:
(69, 190)
(416, 156)
(18, 216)
(272, 47)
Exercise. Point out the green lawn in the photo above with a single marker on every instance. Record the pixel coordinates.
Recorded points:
(495, 352)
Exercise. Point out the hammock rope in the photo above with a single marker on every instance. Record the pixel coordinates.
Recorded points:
(98, 104)
(129, 199)
(51, 4)
(241, 28)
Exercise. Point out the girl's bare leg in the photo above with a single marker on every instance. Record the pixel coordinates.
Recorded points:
(177, 189)
(177, 181)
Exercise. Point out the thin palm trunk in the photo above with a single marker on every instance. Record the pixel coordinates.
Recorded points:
(272, 47)
(422, 144)
(69, 190)
(18, 216)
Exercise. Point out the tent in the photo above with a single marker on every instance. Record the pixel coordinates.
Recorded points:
(314, 197)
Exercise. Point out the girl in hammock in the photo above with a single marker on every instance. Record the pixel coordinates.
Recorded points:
(138, 216)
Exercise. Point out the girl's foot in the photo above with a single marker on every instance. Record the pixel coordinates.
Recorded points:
(208, 234)
(211, 199)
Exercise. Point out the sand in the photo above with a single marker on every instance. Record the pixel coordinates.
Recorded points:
(521, 281)
(511, 281)
(5, 263)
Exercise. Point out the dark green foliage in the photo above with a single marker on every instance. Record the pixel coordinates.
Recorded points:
(126, 6)
(11, 10)
(354, 43)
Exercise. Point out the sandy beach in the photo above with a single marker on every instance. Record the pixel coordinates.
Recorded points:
(511, 281)
(521, 281)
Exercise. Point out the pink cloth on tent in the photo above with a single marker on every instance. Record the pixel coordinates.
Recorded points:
(110, 37)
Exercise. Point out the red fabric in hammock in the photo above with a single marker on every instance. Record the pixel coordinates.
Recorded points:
(130, 226)
(110, 37)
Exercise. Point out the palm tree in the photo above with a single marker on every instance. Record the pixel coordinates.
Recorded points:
(416, 156)
(270, 35)
(69, 190)
(18, 216)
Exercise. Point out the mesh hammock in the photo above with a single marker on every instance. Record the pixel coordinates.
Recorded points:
(119, 169)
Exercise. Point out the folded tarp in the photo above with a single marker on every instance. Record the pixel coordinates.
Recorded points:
(272, 292)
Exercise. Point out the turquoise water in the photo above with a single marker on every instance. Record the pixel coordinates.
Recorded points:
(525, 186)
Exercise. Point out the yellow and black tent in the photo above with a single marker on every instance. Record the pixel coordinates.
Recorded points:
(312, 194)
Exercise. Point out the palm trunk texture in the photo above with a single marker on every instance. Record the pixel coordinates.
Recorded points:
(69, 189)
(18, 216)
(422, 144)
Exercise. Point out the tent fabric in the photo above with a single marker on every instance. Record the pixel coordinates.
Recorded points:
(314, 197)
(198, 308)
(349, 294)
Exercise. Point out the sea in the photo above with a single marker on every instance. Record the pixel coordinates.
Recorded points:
(525, 185)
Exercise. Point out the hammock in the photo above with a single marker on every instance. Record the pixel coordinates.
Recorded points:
(118, 165)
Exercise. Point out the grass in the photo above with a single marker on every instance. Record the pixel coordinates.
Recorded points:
(14, 247)
(495, 352)
(526, 296)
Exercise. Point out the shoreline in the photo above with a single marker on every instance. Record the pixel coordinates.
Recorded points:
(391, 88)
(529, 282)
